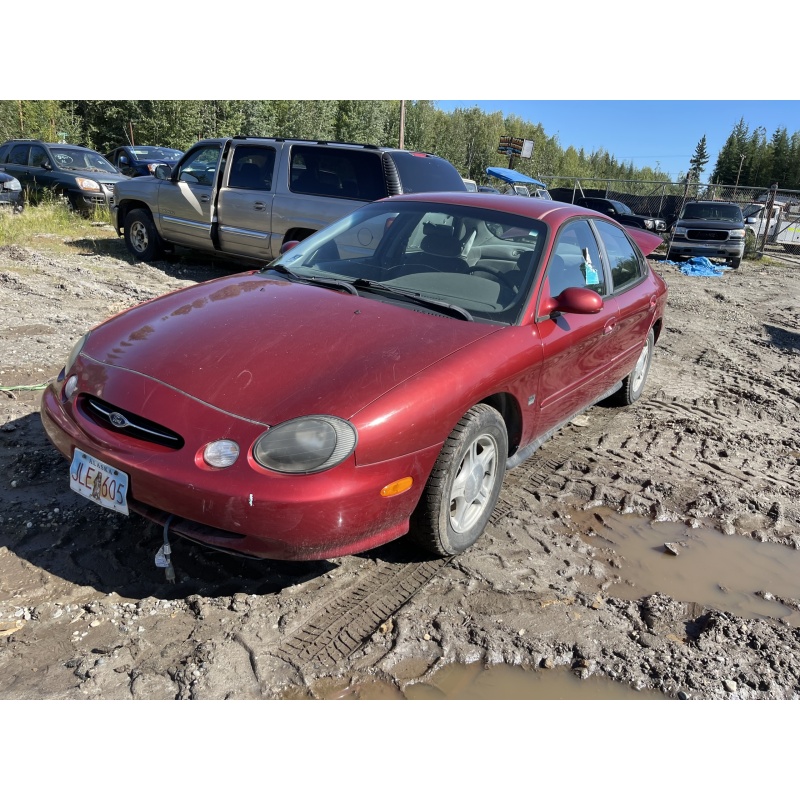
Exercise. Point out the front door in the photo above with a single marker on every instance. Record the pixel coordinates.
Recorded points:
(186, 202)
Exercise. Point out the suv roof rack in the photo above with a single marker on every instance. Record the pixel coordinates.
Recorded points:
(307, 141)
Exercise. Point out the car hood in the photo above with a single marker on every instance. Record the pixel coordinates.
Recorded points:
(269, 350)
(646, 240)
(100, 177)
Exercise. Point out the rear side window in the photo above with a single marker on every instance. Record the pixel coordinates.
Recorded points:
(252, 167)
(626, 266)
(19, 154)
(337, 172)
(423, 173)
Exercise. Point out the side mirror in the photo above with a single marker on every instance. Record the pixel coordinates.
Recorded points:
(751, 220)
(578, 300)
(287, 246)
(123, 160)
(47, 165)
(162, 171)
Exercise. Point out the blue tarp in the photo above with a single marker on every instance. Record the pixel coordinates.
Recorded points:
(512, 176)
(700, 267)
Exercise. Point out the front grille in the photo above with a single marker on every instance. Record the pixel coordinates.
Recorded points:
(109, 187)
(123, 422)
(702, 235)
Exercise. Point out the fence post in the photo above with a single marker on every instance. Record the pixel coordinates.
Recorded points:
(773, 190)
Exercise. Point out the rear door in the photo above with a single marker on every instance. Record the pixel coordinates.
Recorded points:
(245, 202)
(186, 202)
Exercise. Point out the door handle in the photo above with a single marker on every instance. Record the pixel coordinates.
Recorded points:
(610, 327)
(259, 206)
(653, 301)
(204, 198)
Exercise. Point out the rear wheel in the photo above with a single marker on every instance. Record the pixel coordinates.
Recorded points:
(141, 236)
(633, 383)
(463, 486)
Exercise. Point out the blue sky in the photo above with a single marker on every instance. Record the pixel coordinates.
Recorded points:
(655, 133)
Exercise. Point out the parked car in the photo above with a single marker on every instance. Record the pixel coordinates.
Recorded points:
(622, 213)
(378, 377)
(133, 160)
(270, 191)
(489, 189)
(11, 193)
(712, 229)
(82, 177)
(471, 185)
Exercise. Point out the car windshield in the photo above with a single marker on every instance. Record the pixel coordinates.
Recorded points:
(622, 208)
(157, 152)
(462, 261)
(73, 158)
(720, 211)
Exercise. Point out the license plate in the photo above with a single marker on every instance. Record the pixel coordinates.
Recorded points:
(103, 484)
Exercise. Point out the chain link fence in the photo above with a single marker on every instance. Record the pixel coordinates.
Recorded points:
(772, 214)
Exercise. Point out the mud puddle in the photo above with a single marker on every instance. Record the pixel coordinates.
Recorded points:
(499, 682)
(736, 574)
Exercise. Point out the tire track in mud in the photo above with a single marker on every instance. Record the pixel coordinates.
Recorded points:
(339, 629)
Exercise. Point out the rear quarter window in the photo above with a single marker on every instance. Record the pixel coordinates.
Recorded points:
(337, 172)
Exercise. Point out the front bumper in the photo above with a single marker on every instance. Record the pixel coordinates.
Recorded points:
(727, 250)
(243, 508)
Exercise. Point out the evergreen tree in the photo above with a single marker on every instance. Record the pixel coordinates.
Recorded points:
(698, 161)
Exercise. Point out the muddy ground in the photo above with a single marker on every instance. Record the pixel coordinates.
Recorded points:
(714, 442)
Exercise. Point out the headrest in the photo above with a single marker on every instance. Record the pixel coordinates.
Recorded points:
(441, 244)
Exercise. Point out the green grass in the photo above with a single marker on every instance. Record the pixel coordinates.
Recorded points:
(52, 221)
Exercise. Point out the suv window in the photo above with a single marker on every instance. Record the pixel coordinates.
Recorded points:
(626, 267)
(252, 167)
(38, 156)
(19, 154)
(201, 166)
(354, 174)
(419, 173)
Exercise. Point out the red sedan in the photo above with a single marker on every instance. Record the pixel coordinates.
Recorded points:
(378, 378)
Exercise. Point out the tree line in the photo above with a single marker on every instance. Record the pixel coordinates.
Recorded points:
(467, 137)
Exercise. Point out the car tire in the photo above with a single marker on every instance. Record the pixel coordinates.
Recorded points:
(464, 484)
(633, 383)
(141, 237)
(735, 263)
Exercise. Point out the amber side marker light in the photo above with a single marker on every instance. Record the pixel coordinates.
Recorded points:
(397, 487)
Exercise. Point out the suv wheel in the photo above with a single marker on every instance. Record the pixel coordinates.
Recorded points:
(141, 236)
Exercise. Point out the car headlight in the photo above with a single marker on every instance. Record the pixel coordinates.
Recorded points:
(679, 231)
(649, 224)
(88, 185)
(737, 234)
(661, 225)
(305, 445)
(75, 352)
(13, 185)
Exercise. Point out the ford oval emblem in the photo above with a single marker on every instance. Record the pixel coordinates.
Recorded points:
(118, 421)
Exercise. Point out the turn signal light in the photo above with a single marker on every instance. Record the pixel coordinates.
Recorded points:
(397, 487)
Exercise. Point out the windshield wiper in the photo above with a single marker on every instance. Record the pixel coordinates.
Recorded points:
(416, 297)
(331, 283)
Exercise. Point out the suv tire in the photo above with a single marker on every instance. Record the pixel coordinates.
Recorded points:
(141, 237)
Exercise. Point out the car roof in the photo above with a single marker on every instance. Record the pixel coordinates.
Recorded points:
(553, 212)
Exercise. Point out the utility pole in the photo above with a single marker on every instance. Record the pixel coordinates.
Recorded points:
(402, 122)
(741, 161)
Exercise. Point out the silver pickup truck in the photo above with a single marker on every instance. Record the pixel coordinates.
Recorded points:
(245, 196)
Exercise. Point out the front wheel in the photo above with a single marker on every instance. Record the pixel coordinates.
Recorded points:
(463, 486)
(735, 263)
(141, 236)
(633, 383)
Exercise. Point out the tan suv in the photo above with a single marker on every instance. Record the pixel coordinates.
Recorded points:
(246, 196)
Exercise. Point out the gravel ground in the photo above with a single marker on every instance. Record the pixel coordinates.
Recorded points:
(713, 443)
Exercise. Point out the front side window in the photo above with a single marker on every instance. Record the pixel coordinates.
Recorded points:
(38, 156)
(201, 166)
(575, 261)
(626, 266)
